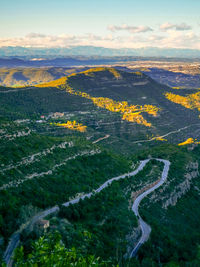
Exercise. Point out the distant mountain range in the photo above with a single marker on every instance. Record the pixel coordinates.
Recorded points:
(54, 62)
(17, 51)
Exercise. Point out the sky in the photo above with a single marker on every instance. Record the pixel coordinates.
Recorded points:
(107, 23)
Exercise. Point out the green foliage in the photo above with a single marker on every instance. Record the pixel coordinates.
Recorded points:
(49, 251)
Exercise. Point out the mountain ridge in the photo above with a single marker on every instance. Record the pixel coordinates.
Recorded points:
(98, 51)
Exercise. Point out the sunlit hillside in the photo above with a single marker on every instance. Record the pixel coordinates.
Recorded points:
(191, 101)
(130, 113)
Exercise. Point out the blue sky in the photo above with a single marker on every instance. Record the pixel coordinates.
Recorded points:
(110, 23)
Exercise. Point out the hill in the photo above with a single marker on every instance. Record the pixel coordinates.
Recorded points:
(138, 90)
(134, 108)
(32, 76)
(184, 77)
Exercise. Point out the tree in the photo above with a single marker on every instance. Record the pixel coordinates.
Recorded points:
(49, 251)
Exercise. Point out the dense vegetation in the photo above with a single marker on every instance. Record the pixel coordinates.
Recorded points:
(100, 225)
(50, 251)
(39, 170)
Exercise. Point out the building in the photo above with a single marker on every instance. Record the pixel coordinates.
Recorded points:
(57, 115)
(42, 224)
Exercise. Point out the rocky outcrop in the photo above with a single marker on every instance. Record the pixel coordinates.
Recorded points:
(184, 187)
(135, 194)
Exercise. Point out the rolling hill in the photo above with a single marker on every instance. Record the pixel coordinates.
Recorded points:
(44, 71)
(32, 76)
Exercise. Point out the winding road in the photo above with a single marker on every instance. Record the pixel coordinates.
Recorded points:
(145, 228)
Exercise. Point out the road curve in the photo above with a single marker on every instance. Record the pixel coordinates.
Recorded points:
(146, 229)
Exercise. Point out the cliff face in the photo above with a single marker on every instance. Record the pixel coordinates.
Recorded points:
(170, 197)
(184, 187)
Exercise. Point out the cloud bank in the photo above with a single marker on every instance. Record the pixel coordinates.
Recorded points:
(167, 36)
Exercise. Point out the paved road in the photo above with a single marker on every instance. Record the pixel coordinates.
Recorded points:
(100, 139)
(17, 90)
(164, 135)
(15, 238)
(14, 242)
(146, 229)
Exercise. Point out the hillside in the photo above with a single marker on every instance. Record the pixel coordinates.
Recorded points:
(133, 107)
(64, 139)
(31, 76)
(136, 90)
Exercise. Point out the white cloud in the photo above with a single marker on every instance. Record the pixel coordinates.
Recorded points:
(178, 27)
(171, 39)
(182, 40)
(131, 29)
(62, 40)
